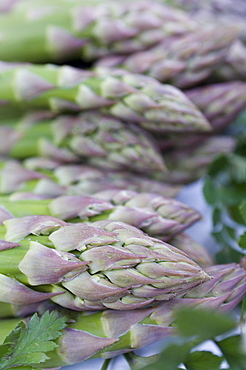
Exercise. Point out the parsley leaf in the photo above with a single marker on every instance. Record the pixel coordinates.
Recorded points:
(28, 345)
(225, 191)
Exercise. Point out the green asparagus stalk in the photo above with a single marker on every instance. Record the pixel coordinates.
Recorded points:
(64, 30)
(190, 164)
(128, 96)
(90, 267)
(156, 215)
(89, 137)
(43, 177)
(8, 310)
(110, 333)
(182, 61)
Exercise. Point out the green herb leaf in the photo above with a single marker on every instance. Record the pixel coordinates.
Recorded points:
(210, 191)
(232, 348)
(199, 360)
(194, 327)
(225, 191)
(28, 345)
(242, 241)
(242, 210)
(138, 362)
(172, 356)
(238, 168)
(203, 323)
(220, 163)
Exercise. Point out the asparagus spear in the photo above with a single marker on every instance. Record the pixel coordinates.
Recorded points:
(89, 137)
(190, 164)
(63, 30)
(196, 251)
(217, 7)
(84, 179)
(235, 62)
(156, 215)
(131, 215)
(233, 68)
(50, 179)
(84, 267)
(221, 103)
(131, 97)
(111, 333)
(182, 61)
(81, 180)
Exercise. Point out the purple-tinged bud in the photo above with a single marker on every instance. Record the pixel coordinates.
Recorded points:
(67, 207)
(4, 245)
(80, 236)
(30, 86)
(14, 292)
(70, 345)
(18, 228)
(61, 43)
(55, 266)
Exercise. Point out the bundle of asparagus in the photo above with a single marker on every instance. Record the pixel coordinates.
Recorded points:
(107, 142)
(109, 237)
